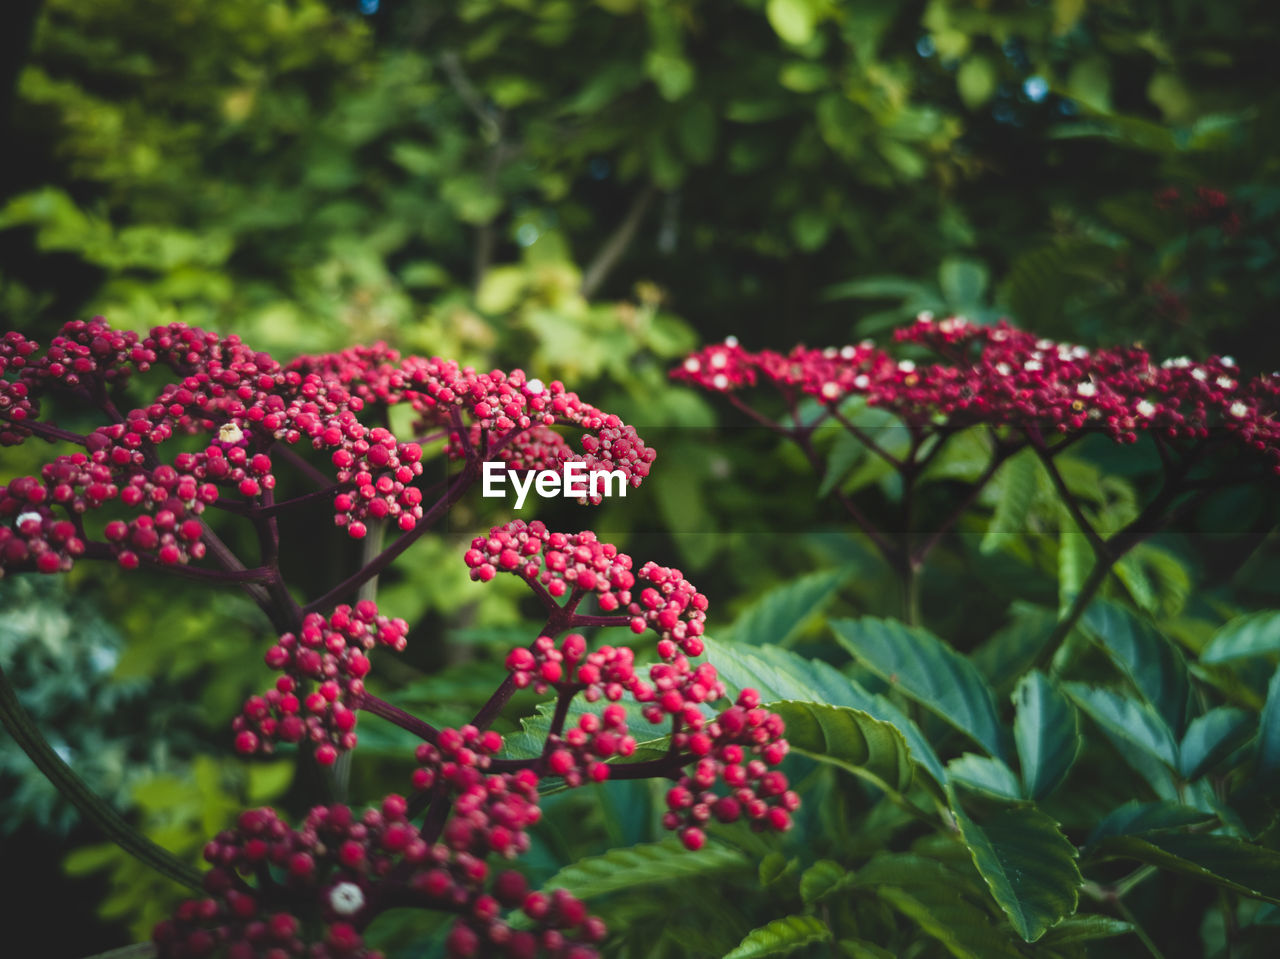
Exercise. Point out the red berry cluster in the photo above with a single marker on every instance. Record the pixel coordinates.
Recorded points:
(607, 672)
(1207, 207)
(17, 402)
(491, 815)
(672, 608)
(1002, 376)
(319, 886)
(582, 753)
(331, 655)
(736, 748)
(576, 563)
(91, 354)
(507, 415)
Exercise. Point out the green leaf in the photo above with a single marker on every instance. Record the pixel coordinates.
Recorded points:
(793, 20)
(1254, 634)
(937, 899)
(923, 667)
(1153, 664)
(1028, 864)
(845, 453)
(1269, 732)
(1084, 929)
(848, 738)
(1224, 861)
(861, 949)
(779, 613)
(1046, 731)
(822, 879)
(879, 287)
(1135, 818)
(780, 937)
(646, 864)
(779, 674)
(1075, 559)
(269, 780)
(1127, 720)
(976, 80)
(962, 282)
(1015, 485)
(1211, 738)
(986, 775)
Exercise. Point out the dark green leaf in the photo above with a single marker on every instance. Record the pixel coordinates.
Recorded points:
(776, 616)
(846, 451)
(1221, 860)
(1028, 864)
(822, 879)
(1084, 929)
(1255, 634)
(923, 667)
(986, 775)
(780, 937)
(861, 949)
(1135, 818)
(940, 902)
(779, 674)
(1269, 732)
(1211, 738)
(849, 738)
(1151, 661)
(1047, 733)
(1127, 720)
(650, 863)
(1015, 487)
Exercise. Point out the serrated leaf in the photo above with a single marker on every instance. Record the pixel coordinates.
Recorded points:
(822, 879)
(1224, 861)
(1269, 732)
(1015, 488)
(927, 670)
(780, 937)
(935, 898)
(1254, 634)
(849, 738)
(779, 674)
(1046, 731)
(1028, 864)
(1013, 648)
(1211, 738)
(986, 775)
(1127, 720)
(646, 864)
(1153, 664)
(1136, 818)
(783, 610)
(1084, 929)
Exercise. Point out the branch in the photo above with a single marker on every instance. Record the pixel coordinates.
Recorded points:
(27, 735)
(615, 246)
(390, 554)
(398, 717)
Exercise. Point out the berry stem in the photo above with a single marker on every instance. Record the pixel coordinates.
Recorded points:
(50, 432)
(402, 543)
(398, 717)
(27, 735)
